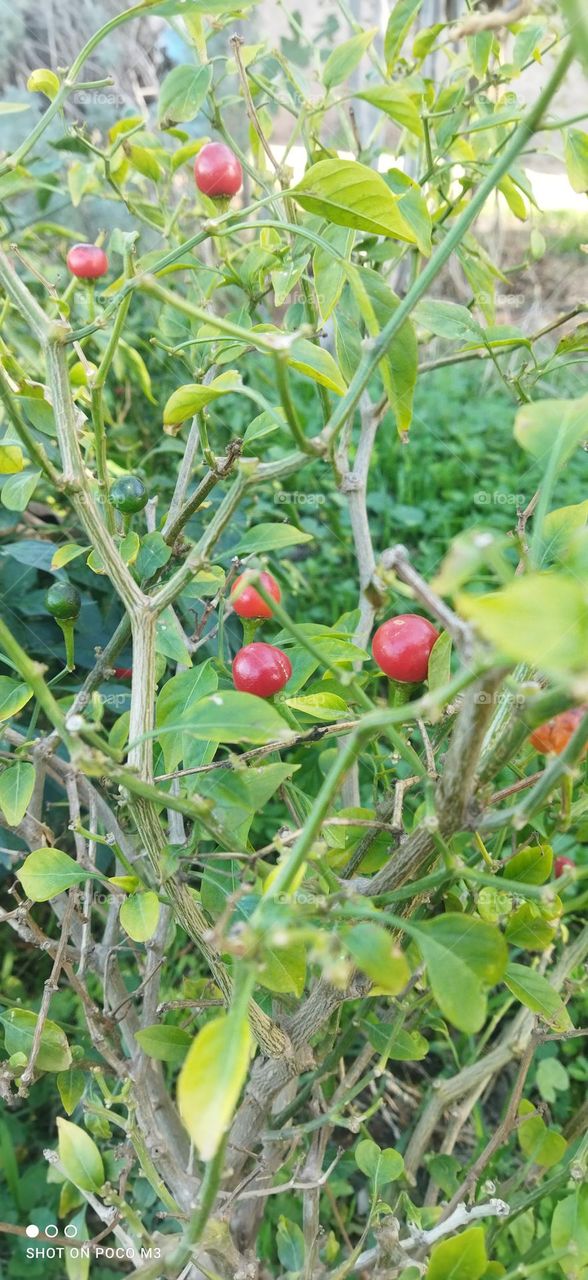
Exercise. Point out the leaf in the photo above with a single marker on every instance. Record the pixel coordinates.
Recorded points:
(463, 956)
(153, 555)
(169, 638)
(352, 195)
(164, 1042)
(182, 94)
(321, 706)
(346, 57)
(16, 788)
(283, 969)
(447, 320)
(380, 1166)
(577, 23)
(377, 303)
(576, 155)
(461, 1258)
(194, 396)
(11, 459)
(329, 268)
(71, 1085)
(541, 1145)
(547, 423)
(270, 537)
(48, 872)
(139, 915)
(528, 929)
(540, 618)
(290, 1245)
(399, 24)
(42, 80)
(402, 1046)
(229, 716)
(79, 1156)
(376, 954)
(19, 1030)
(175, 705)
(187, 8)
(17, 491)
(317, 363)
(396, 103)
(569, 1227)
(537, 994)
(531, 865)
(211, 1080)
(63, 555)
(439, 671)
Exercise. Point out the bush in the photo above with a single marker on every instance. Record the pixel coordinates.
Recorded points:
(293, 982)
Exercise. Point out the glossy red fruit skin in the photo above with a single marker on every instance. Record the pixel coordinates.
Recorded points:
(552, 737)
(560, 866)
(123, 673)
(87, 261)
(250, 604)
(402, 645)
(217, 170)
(261, 669)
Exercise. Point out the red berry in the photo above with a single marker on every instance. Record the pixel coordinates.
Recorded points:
(123, 673)
(553, 736)
(261, 669)
(217, 170)
(87, 261)
(561, 864)
(250, 604)
(401, 647)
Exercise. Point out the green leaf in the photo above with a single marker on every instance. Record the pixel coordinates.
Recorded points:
(63, 555)
(528, 929)
(48, 872)
(381, 1167)
(43, 81)
(447, 320)
(175, 707)
(182, 93)
(537, 994)
(346, 57)
(270, 537)
(211, 1080)
(164, 1042)
(576, 154)
(399, 368)
(399, 23)
(194, 396)
(16, 788)
(191, 8)
(79, 1156)
(540, 618)
(283, 969)
(19, 1030)
(541, 1145)
(396, 103)
(545, 423)
(229, 716)
(531, 865)
(11, 459)
(463, 956)
(461, 1258)
(321, 706)
(376, 954)
(153, 555)
(577, 23)
(290, 1245)
(71, 1085)
(169, 638)
(329, 269)
(17, 491)
(139, 915)
(402, 1046)
(352, 195)
(439, 671)
(552, 1078)
(317, 363)
(569, 1227)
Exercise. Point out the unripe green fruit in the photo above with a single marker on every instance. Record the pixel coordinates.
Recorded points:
(128, 494)
(63, 601)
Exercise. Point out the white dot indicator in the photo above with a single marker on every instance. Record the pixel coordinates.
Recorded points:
(70, 1230)
(32, 1230)
(52, 1230)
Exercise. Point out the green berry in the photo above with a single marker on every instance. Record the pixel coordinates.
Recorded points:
(128, 494)
(63, 601)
